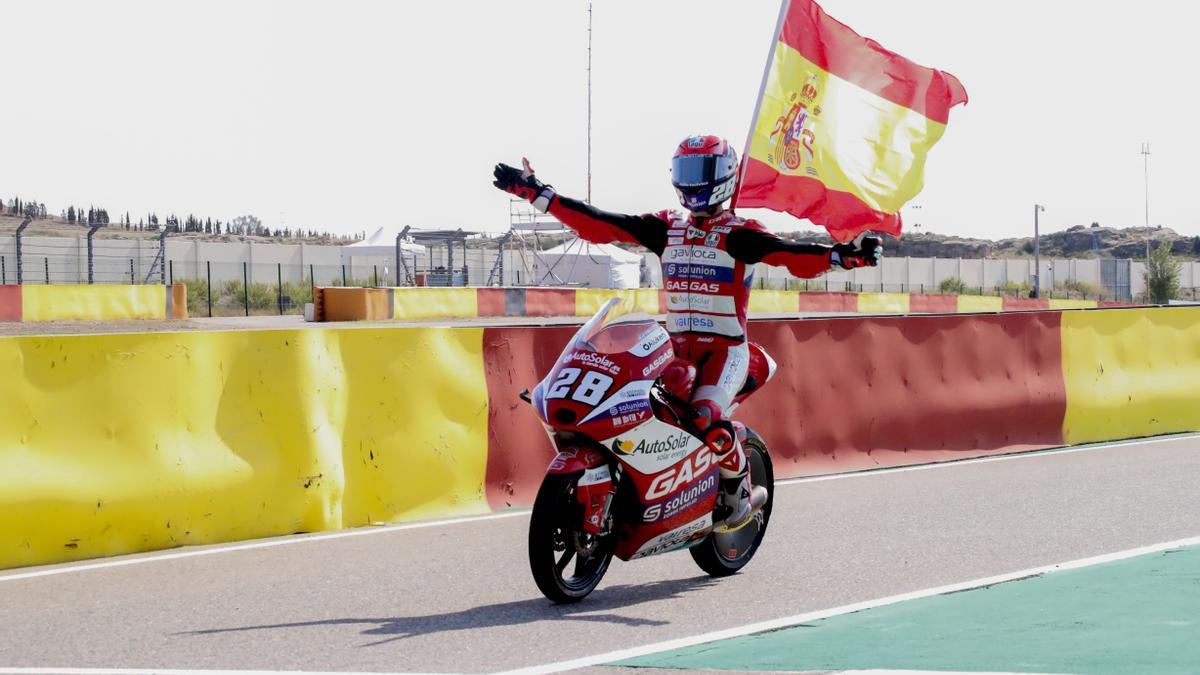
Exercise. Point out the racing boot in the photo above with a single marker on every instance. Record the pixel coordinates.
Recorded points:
(738, 500)
(743, 501)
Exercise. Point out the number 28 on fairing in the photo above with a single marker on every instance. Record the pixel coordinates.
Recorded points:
(590, 391)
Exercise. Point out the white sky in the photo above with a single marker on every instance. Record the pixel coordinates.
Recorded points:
(349, 115)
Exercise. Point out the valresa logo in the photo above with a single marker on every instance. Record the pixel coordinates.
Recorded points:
(668, 444)
(656, 363)
(597, 361)
(697, 322)
(670, 480)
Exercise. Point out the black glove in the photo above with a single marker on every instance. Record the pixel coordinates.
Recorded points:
(522, 183)
(862, 252)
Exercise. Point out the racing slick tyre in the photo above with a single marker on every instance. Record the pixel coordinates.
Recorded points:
(557, 538)
(723, 553)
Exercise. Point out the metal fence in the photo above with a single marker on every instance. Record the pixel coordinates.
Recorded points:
(236, 278)
(1060, 292)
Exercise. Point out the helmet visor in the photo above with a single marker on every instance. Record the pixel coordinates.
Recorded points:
(701, 170)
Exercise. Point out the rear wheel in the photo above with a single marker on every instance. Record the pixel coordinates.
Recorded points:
(567, 562)
(724, 553)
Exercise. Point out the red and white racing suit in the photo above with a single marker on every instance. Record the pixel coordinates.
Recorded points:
(708, 268)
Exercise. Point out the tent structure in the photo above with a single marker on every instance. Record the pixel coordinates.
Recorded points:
(380, 249)
(579, 263)
(381, 244)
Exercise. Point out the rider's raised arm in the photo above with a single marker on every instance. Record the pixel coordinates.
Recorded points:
(603, 227)
(754, 244)
(592, 224)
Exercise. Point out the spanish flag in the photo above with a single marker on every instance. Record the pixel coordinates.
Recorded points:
(842, 126)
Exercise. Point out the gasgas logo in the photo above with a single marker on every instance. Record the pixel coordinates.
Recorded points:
(681, 501)
(656, 363)
(670, 480)
(698, 286)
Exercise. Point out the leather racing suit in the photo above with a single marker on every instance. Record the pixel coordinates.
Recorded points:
(707, 269)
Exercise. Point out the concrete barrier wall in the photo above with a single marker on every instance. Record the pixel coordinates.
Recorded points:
(192, 438)
(100, 302)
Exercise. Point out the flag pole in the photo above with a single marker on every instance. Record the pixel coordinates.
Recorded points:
(762, 88)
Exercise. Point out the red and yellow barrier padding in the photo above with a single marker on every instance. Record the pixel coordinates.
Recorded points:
(423, 304)
(856, 393)
(1131, 373)
(98, 302)
(131, 442)
(192, 438)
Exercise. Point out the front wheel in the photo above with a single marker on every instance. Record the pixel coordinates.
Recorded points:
(724, 553)
(567, 562)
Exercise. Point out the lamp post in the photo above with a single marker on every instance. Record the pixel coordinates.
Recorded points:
(1146, 177)
(1037, 253)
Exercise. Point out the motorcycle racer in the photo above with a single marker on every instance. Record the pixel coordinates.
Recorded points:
(707, 255)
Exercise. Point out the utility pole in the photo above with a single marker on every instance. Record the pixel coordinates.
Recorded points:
(589, 104)
(1037, 253)
(1146, 168)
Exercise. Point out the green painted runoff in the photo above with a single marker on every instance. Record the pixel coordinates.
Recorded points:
(1140, 615)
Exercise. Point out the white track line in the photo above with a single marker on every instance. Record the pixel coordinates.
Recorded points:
(363, 531)
(1021, 454)
(179, 671)
(269, 543)
(786, 622)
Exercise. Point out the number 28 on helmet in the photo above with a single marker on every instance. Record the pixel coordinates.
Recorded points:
(704, 172)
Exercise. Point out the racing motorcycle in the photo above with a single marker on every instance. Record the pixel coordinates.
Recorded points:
(634, 476)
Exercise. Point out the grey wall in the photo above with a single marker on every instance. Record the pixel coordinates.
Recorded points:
(67, 257)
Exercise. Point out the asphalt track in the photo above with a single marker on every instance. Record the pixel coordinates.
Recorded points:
(457, 597)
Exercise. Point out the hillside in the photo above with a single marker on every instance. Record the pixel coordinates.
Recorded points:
(1075, 242)
(54, 226)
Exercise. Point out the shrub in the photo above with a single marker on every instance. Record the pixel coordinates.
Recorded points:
(1162, 275)
(1012, 288)
(197, 295)
(260, 295)
(952, 286)
(300, 292)
(1075, 289)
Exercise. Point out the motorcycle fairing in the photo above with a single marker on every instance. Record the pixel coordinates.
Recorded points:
(576, 460)
(666, 500)
(652, 446)
(679, 537)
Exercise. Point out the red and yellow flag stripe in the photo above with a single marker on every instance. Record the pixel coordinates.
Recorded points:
(842, 126)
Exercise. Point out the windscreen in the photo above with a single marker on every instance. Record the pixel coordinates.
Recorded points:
(611, 331)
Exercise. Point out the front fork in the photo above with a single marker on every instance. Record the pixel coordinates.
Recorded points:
(595, 489)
